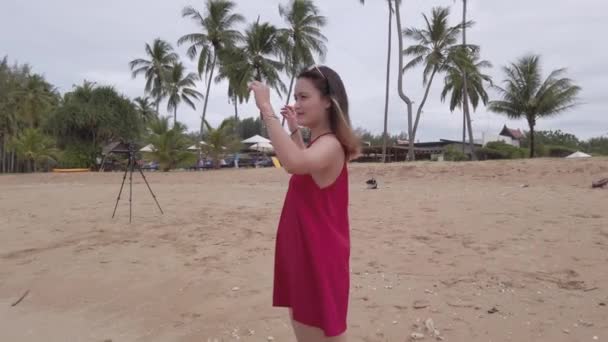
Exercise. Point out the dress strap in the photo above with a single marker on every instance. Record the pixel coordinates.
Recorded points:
(317, 138)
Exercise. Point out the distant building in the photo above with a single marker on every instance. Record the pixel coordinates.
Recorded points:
(515, 135)
(507, 135)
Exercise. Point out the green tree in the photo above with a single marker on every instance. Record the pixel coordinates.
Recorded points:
(33, 147)
(145, 109)
(181, 87)
(465, 80)
(302, 40)
(598, 145)
(249, 127)
(216, 34)
(161, 59)
(220, 141)
(435, 47)
(526, 95)
(232, 70)
(170, 143)
(34, 99)
(552, 138)
(92, 115)
(10, 78)
(26, 99)
(257, 59)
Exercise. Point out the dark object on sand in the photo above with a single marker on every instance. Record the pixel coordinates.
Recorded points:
(20, 299)
(493, 310)
(600, 183)
(372, 184)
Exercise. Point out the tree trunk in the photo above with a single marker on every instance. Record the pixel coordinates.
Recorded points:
(174, 115)
(424, 98)
(470, 128)
(464, 128)
(465, 91)
(12, 162)
(532, 123)
(388, 74)
(236, 109)
(207, 94)
(236, 116)
(293, 77)
(2, 154)
(410, 154)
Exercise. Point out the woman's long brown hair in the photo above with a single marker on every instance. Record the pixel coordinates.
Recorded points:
(329, 83)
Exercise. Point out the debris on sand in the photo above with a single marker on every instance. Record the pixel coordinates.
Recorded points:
(21, 298)
(430, 327)
(417, 336)
(372, 184)
(600, 183)
(421, 304)
(493, 310)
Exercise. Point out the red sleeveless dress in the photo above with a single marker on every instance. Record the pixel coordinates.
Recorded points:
(312, 272)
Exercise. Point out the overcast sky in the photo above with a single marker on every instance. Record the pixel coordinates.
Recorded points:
(72, 40)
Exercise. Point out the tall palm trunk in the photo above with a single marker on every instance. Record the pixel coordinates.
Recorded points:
(207, 93)
(3, 154)
(424, 98)
(410, 154)
(531, 124)
(464, 127)
(388, 74)
(174, 116)
(12, 161)
(465, 91)
(236, 109)
(293, 77)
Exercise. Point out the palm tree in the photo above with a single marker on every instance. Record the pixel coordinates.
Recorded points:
(302, 39)
(170, 143)
(233, 70)
(221, 140)
(388, 68)
(436, 43)
(180, 88)
(466, 115)
(402, 95)
(526, 95)
(161, 59)
(32, 147)
(464, 80)
(143, 105)
(217, 33)
(259, 55)
(388, 73)
(33, 99)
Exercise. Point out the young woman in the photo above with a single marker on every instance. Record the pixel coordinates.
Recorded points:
(312, 273)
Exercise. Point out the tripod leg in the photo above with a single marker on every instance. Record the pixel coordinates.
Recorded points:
(131, 161)
(120, 192)
(149, 188)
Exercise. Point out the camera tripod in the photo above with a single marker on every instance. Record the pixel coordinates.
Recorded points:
(130, 166)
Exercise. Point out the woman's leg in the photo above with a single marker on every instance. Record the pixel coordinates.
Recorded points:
(306, 333)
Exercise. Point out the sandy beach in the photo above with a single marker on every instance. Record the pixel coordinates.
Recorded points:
(489, 251)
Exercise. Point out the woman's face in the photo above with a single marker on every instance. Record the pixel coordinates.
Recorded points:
(311, 107)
